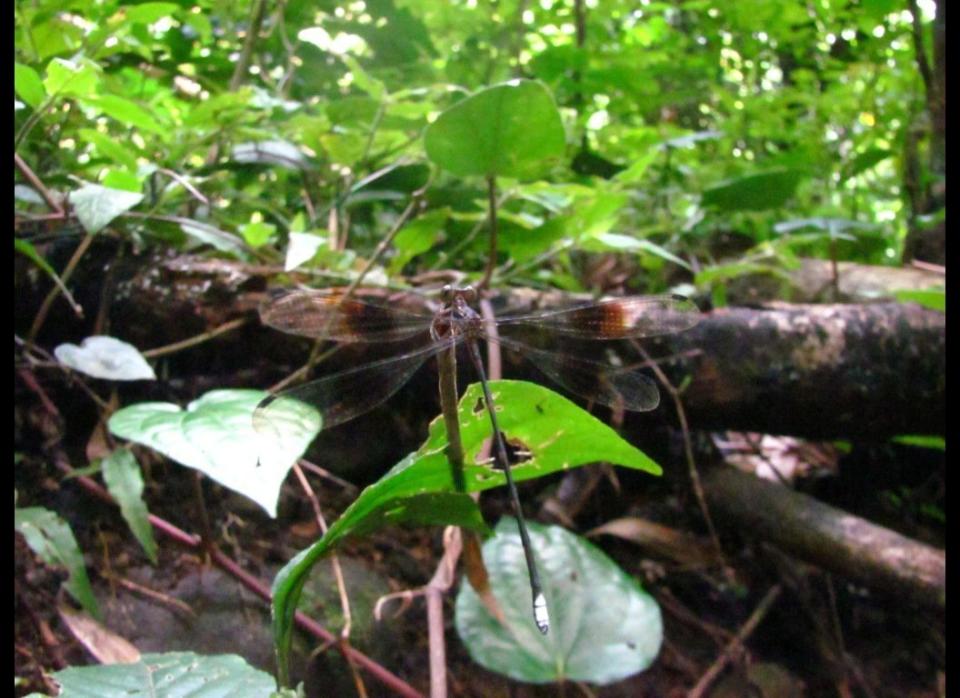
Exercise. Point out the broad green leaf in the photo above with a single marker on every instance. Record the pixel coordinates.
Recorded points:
(216, 436)
(603, 626)
(523, 245)
(51, 539)
(168, 675)
(364, 80)
(124, 180)
(864, 161)
(258, 233)
(558, 434)
(121, 472)
(127, 112)
(509, 130)
(933, 298)
(149, 12)
(117, 150)
(96, 206)
(417, 237)
(635, 172)
(301, 248)
(105, 357)
(755, 192)
(71, 78)
(28, 85)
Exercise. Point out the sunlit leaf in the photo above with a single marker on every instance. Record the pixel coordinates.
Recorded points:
(509, 130)
(215, 435)
(96, 206)
(105, 357)
(28, 85)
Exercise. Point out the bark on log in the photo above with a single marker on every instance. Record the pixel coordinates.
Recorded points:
(818, 371)
(827, 537)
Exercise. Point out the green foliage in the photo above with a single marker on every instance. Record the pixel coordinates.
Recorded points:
(171, 675)
(558, 434)
(510, 130)
(125, 483)
(604, 627)
(51, 539)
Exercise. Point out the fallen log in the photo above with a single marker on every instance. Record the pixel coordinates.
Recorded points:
(829, 538)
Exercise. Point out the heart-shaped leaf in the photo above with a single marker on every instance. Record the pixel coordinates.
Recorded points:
(557, 434)
(603, 625)
(508, 130)
(215, 435)
(105, 357)
(96, 206)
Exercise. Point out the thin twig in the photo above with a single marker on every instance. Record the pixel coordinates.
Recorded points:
(387, 678)
(195, 340)
(55, 291)
(736, 645)
(35, 182)
(334, 558)
(688, 453)
(338, 576)
(492, 206)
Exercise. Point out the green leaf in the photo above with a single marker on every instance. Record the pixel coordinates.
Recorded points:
(417, 237)
(51, 539)
(755, 192)
(866, 160)
(933, 298)
(127, 112)
(168, 675)
(558, 434)
(123, 180)
(96, 206)
(509, 130)
(28, 85)
(364, 80)
(603, 626)
(149, 12)
(258, 233)
(921, 441)
(105, 357)
(71, 78)
(118, 151)
(219, 239)
(121, 472)
(216, 436)
(26, 248)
